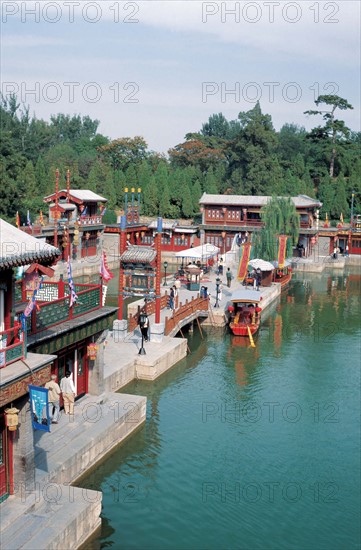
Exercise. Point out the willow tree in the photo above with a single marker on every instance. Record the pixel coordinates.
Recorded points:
(280, 218)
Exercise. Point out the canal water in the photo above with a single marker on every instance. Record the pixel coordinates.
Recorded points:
(249, 448)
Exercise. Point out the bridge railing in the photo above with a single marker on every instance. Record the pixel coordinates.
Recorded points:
(185, 311)
(149, 309)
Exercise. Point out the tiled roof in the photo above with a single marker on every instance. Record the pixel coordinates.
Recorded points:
(301, 201)
(18, 248)
(139, 254)
(84, 195)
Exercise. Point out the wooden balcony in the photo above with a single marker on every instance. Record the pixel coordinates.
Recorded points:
(53, 305)
(11, 346)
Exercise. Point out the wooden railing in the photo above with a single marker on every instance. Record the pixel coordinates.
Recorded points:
(149, 309)
(185, 311)
(11, 346)
(48, 314)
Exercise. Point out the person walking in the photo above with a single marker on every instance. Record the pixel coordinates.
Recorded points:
(175, 296)
(144, 326)
(229, 277)
(53, 399)
(171, 299)
(67, 388)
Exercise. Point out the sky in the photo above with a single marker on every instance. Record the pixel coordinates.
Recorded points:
(159, 69)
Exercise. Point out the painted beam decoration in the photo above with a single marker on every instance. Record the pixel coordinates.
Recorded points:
(39, 407)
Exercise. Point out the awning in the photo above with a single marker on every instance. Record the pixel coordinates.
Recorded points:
(262, 265)
(199, 252)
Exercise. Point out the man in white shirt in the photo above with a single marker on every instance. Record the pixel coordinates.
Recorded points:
(68, 390)
(53, 399)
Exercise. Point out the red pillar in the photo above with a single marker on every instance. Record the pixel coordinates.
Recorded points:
(158, 275)
(122, 247)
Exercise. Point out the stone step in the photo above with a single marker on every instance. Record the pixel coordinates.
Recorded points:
(52, 526)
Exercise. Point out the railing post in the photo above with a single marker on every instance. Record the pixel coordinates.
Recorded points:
(61, 287)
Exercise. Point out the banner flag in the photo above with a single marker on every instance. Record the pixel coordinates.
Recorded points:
(39, 407)
(282, 246)
(73, 294)
(105, 272)
(244, 260)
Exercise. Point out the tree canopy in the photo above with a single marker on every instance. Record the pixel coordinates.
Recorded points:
(242, 156)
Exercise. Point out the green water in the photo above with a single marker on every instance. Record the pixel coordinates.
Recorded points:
(249, 448)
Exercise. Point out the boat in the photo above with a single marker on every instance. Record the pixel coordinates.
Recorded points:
(282, 275)
(244, 313)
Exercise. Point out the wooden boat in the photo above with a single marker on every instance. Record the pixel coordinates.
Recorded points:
(244, 312)
(282, 275)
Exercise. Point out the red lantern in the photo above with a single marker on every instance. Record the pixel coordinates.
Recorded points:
(258, 309)
(230, 309)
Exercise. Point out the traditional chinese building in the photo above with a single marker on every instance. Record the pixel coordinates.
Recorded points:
(75, 221)
(59, 336)
(18, 368)
(225, 216)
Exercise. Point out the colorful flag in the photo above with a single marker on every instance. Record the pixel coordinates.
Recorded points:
(282, 247)
(32, 302)
(73, 294)
(105, 272)
(17, 220)
(244, 260)
(41, 219)
(28, 220)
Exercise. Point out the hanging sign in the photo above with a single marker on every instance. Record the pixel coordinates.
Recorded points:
(39, 408)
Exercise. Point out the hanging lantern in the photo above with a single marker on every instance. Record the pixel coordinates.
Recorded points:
(11, 418)
(92, 351)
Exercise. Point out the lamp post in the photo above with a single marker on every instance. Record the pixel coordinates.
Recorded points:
(165, 273)
(218, 280)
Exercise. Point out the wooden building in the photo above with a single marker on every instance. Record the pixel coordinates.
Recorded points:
(76, 216)
(226, 216)
(18, 367)
(58, 337)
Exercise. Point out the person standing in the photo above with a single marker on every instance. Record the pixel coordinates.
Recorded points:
(53, 399)
(258, 278)
(144, 326)
(171, 299)
(67, 388)
(229, 277)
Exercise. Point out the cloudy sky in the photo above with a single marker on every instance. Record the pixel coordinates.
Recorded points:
(159, 69)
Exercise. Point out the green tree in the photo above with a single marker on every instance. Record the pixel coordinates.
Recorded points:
(280, 218)
(150, 198)
(334, 132)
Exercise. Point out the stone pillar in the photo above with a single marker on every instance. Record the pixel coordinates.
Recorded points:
(157, 332)
(120, 330)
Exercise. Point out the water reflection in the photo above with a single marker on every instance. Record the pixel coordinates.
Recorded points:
(305, 355)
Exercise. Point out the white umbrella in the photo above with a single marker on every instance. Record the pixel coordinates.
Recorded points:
(262, 265)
